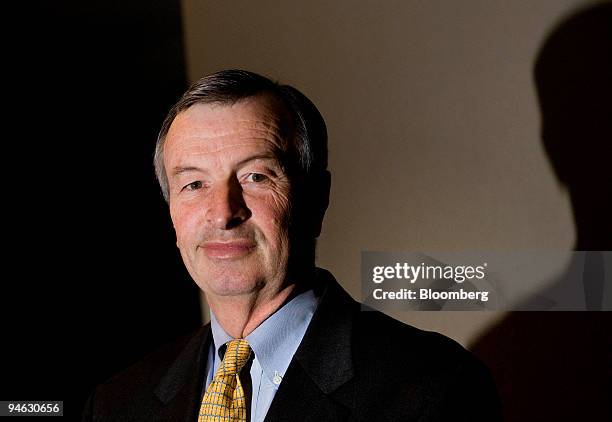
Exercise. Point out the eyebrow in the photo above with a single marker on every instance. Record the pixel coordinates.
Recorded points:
(266, 156)
(178, 170)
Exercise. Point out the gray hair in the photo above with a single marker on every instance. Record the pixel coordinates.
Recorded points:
(231, 86)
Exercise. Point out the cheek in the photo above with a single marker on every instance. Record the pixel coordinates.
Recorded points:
(183, 221)
(271, 214)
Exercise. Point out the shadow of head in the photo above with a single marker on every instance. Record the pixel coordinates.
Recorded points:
(554, 365)
(573, 75)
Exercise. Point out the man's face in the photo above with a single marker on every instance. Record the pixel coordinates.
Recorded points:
(229, 195)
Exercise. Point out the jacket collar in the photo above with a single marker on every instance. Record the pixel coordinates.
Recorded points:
(325, 352)
(317, 383)
(181, 386)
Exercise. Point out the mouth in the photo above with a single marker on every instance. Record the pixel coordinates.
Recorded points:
(228, 250)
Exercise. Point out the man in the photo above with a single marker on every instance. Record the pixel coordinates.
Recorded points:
(242, 162)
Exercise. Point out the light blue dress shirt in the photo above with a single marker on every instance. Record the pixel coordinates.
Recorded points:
(273, 343)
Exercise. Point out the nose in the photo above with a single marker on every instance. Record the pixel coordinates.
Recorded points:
(227, 208)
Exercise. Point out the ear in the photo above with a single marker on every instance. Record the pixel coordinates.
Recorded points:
(321, 190)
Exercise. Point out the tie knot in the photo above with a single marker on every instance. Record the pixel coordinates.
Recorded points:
(236, 356)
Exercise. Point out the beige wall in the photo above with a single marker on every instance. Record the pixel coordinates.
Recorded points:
(432, 117)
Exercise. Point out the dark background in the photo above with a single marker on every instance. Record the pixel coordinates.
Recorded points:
(92, 278)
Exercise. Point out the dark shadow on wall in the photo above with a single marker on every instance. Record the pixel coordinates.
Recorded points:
(557, 366)
(96, 280)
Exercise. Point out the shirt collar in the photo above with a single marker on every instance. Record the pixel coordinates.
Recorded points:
(275, 340)
(220, 337)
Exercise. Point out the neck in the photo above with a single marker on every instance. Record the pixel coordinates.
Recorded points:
(241, 315)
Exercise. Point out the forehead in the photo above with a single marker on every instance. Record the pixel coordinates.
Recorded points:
(259, 118)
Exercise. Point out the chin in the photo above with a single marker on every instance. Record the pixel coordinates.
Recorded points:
(231, 284)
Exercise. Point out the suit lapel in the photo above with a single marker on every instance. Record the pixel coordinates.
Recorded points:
(300, 399)
(316, 385)
(181, 387)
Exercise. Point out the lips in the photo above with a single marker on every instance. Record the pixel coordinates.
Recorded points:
(227, 250)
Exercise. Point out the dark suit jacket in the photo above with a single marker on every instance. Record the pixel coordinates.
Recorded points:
(352, 364)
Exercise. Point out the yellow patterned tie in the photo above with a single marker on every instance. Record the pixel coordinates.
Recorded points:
(224, 400)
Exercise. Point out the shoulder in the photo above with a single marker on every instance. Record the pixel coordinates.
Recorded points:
(150, 369)
(380, 334)
(381, 344)
(436, 373)
(136, 387)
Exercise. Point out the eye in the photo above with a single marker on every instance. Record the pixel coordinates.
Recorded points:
(193, 185)
(256, 177)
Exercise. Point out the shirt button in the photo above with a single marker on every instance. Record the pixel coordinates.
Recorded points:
(277, 378)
